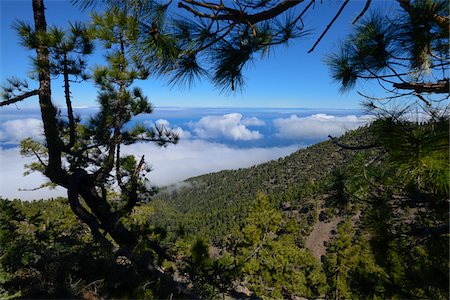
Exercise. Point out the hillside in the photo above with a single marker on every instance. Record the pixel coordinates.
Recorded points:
(343, 222)
(209, 205)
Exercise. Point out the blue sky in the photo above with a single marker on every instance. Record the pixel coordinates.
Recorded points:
(289, 77)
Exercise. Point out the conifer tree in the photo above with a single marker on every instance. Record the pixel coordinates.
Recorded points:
(272, 264)
(406, 54)
(409, 53)
(85, 158)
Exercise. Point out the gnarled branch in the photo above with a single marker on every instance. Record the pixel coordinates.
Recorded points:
(440, 87)
(235, 15)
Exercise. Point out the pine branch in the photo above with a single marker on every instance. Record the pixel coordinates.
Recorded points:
(236, 15)
(19, 98)
(440, 87)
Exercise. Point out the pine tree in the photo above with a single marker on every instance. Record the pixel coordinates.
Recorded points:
(406, 199)
(85, 158)
(272, 264)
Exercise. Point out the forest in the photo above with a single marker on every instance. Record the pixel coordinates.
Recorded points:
(362, 215)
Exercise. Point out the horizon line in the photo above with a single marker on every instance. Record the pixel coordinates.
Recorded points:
(199, 107)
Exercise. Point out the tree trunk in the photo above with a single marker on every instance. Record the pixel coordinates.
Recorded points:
(48, 111)
(70, 115)
(101, 215)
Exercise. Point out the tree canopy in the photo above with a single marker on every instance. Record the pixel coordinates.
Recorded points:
(407, 54)
(217, 39)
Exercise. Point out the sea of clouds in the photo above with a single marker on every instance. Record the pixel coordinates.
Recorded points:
(211, 140)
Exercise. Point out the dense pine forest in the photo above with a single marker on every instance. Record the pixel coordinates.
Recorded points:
(362, 215)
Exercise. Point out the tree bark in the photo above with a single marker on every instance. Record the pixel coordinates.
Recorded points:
(54, 169)
(70, 115)
(440, 87)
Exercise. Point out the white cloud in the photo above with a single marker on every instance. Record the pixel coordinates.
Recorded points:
(183, 134)
(172, 164)
(162, 122)
(317, 126)
(13, 131)
(12, 179)
(229, 126)
(253, 121)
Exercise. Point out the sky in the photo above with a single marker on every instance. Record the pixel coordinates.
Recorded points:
(289, 102)
(289, 77)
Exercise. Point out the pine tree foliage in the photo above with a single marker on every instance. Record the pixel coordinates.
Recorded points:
(272, 264)
(351, 267)
(407, 54)
(85, 157)
(229, 35)
(405, 189)
(217, 39)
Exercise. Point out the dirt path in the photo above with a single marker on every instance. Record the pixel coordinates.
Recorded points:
(320, 234)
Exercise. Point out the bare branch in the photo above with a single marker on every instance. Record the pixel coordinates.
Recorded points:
(274, 11)
(424, 100)
(139, 166)
(235, 15)
(328, 26)
(197, 13)
(366, 7)
(39, 158)
(385, 98)
(440, 87)
(72, 131)
(19, 98)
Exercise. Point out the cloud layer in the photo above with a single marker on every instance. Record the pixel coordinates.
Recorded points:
(196, 157)
(12, 179)
(201, 149)
(170, 165)
(317, 126)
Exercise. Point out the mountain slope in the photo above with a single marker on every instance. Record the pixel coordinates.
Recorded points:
(322, 222)
(211, 204)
